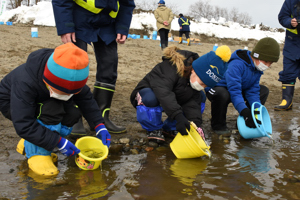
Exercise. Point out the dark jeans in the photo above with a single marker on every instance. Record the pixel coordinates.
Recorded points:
(219, 103)
(149, 99)
(186, 33)
(107, 60)
(163, 33)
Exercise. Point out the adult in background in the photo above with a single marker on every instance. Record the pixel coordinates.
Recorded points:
(175, 86)
(39, 97)
(103, 23)
(164, 17)
(240, 84)
(289, 17)
(184, 28)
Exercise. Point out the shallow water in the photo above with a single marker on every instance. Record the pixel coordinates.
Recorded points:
(238, 169)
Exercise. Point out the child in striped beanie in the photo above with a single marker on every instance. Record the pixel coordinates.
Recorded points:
(39, 97)
(67, 70)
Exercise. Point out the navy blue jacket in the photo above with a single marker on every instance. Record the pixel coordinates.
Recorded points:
(70, 17)
(292, 41)
(184, 27)
(241, 78)
(23, 88)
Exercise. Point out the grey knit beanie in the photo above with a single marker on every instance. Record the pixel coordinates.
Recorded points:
(267, 49)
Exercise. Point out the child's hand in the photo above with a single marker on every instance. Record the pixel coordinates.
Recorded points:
(103, 134)
(67, 148)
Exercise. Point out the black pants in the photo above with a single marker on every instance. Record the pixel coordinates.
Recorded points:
(186, 33)
(53, 111)
(163, 33)
(219, 103)
(107, 60)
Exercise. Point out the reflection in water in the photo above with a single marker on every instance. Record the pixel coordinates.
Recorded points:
(254, 159)
(92, 185)
(238, 169)
(186, 170)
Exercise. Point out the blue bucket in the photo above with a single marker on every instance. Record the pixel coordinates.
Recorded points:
(262, 130)
(154, 35)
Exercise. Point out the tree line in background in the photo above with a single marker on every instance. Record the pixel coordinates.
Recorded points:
(12, 4)
(200, 9)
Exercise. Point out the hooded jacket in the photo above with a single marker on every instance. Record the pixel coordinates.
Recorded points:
(70, 17)
(288, 11)
(172, 91)
(242, 78)
(162, 13)
(23, 88)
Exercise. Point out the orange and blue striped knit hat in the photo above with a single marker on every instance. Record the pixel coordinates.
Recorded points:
(67, 69)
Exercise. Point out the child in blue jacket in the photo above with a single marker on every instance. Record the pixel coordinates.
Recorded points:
(240, 84)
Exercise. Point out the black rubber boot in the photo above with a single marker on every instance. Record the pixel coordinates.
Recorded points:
(287, 97)
(103, 94)
(78, 129)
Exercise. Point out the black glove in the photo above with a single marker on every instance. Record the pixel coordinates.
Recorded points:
(246, 113)
(182, 124)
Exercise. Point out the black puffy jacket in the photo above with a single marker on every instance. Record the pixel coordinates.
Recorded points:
(173, 91)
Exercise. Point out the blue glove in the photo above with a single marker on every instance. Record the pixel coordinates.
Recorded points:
(67, 148)
(103, 134)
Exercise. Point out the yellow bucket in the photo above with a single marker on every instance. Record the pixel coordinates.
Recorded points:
(190, 146)
(92, 152)
(186, 170)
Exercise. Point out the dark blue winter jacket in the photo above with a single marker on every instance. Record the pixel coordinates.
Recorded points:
(241, 78)
(70, 17)
(184, 27)
(292, 41)
(21, 91)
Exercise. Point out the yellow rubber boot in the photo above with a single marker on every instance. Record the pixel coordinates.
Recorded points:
(188, 42)
(43, 165)
(287, 97)
(180, 40)
(54, 157)
(20, 147)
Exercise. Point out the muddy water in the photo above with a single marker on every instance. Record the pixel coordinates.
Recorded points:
(238, 169)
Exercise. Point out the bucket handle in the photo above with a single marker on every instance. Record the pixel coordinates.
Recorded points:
(260, 127)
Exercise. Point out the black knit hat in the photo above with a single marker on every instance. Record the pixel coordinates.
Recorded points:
(267, 49)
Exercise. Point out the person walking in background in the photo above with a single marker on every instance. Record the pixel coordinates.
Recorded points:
(104, 24)
(174, 86)
(39, 98)
(164, 17)
(184, 28)
(241, 83)
(289, 17)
